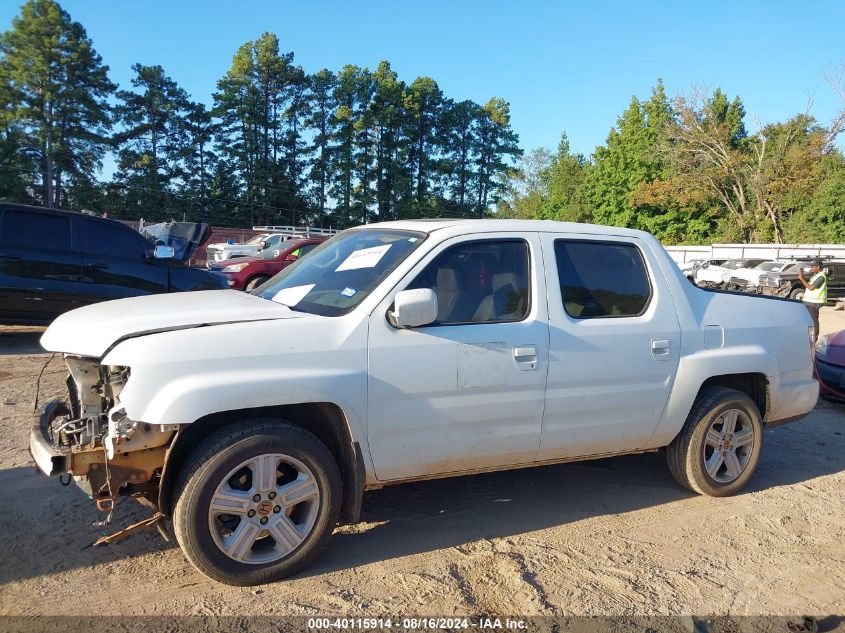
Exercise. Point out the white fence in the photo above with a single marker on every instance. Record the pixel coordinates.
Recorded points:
(683, 254)
(296, 231)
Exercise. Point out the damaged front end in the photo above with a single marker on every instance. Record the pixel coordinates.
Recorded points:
(90, 438)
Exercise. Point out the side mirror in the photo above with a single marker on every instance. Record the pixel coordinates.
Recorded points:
(414, 308)
(164, 252)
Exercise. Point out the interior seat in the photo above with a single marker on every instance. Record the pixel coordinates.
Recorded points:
(504, 303)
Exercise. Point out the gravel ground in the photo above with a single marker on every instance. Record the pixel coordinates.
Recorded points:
(609, 537)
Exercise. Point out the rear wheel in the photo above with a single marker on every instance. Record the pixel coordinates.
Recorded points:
(256, 502)
(718, 449)
(253, 283)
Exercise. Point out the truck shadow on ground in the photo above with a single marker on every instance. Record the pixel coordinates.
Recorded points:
(420, 517)
(50, 529)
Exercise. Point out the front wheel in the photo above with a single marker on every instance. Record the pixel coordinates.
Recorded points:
(256, 502)
(253, 283)
(797, 293)
(717, 451)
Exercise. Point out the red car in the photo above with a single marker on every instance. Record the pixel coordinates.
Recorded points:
(830, 366)
(247, 273)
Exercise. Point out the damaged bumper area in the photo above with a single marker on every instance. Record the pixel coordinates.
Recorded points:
(89, 438)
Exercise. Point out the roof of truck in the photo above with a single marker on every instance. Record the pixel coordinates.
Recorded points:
(491, 225)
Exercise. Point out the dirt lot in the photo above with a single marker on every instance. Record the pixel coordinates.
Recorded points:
(610, 537)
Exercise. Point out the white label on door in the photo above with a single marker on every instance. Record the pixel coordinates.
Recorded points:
(364, 258)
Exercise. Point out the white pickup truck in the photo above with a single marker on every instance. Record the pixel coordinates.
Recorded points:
(405, 351)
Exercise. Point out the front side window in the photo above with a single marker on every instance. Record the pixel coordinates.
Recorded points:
(104, 238)
(479, 282)
(601, 279)
(340, 273)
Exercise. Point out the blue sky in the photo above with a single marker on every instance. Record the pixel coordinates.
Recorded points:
(562, 66)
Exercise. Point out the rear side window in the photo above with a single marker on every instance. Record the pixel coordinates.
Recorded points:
(31, 229)
(602, 279)
(479, 282)
(106, 239)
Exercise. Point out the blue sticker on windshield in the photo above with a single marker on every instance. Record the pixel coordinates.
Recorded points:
(348, 292)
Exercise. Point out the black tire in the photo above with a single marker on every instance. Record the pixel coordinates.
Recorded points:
(253, 283)
(207, 469)
(686, 454)
(796, 293)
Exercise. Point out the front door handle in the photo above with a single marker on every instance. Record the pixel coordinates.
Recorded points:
(660, 348)
(98, 265)
(525, 357)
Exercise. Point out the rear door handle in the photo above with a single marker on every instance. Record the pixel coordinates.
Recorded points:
(98, 265)
(660, 348)
(525, 357)
(9, 256)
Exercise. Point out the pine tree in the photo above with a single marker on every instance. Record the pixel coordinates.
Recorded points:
(630, 157)
(198, 157)
(423, 102)
(321, 122)
(60, 87)
(387, 112)
(564, 181)
(497, 144)
(461, 152)
(152, 139)
(343, 160)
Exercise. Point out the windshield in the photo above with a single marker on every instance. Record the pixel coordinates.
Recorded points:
(732, 264)
(337, 275)
(770, 266)
(257, 239)
(270, 253)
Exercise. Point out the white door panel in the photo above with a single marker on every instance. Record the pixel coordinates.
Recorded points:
(453, 398)
(609, 378)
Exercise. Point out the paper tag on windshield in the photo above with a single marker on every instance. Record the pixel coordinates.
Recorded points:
(365, 258)
(292, 296)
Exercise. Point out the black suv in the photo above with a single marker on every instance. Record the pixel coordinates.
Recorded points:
(52, 261)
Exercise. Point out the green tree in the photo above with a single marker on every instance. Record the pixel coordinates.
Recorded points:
(259, 104)
(198, 157)
(16, 166)
(320, 122)
(526, 190)
(497, 145)
(346, 95)
(564, 180)
(631, 157)
(423, 102)
(152, 139)
(60, 89)
(387, 112)
(461, 147)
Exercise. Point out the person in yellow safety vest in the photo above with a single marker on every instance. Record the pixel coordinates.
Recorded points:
(815, 293)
